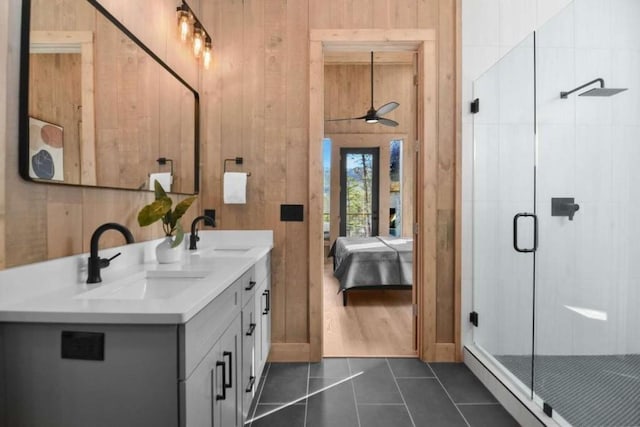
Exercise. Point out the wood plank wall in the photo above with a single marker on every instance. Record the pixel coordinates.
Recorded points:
(255, 105)
(4, 130)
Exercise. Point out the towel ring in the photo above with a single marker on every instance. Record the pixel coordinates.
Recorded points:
(237, 160)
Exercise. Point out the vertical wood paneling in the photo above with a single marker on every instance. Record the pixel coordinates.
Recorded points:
(64, 214)
(231, 118)
(427, 13)
(253, 84)
(428, 134)
(446, 170)
(403, 13)
(211, 115)
(316, 247)
(4, 43)
(297, 253)
(275, 159)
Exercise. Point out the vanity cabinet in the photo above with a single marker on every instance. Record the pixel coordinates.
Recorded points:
(211, 394)
(254, 322)
(200, 373)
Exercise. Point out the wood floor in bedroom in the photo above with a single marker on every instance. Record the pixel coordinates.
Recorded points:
(374, 323)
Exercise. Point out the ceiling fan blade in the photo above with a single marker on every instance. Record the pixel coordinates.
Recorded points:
(340, 120)
(387, 122)
(389, 106)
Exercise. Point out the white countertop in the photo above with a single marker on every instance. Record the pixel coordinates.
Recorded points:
(135, 288)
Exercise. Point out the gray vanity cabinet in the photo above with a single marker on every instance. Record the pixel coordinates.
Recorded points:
(185, 375)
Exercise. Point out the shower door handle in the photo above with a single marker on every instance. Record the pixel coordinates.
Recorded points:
(515, 232)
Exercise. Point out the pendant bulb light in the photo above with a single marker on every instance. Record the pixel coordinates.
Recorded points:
(206, 55)
(184, 22)
(191, 30)
(198, 40)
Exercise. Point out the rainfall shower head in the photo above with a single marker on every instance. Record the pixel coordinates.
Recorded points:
(601, 91)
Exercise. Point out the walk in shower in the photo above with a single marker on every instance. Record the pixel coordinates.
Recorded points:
(556, 215)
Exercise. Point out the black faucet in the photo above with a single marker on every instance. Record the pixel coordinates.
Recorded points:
(95, 262)
(193, 237)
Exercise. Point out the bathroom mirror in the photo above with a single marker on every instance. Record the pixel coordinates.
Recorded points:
(97, 107)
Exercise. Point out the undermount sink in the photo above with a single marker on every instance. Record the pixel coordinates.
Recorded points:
(152, 284)
(226, 252)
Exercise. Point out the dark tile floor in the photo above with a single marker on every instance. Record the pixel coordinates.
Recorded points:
(351, 392)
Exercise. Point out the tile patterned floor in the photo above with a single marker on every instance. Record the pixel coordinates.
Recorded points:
(352, 392)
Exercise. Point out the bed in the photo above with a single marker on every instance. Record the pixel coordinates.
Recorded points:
(372, 263)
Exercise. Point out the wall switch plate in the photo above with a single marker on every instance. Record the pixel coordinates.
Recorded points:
(291, 212)
(211, 213)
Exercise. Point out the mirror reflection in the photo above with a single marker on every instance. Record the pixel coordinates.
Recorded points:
(102, 109)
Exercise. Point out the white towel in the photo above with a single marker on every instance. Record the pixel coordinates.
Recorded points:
(235, 188)
(164, 178)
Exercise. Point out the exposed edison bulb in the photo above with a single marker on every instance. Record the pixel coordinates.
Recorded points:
(184, 23)
(198, 41)
(206, 55)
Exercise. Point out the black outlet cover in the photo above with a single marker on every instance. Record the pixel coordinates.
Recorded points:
(291, 212)
(82, 345)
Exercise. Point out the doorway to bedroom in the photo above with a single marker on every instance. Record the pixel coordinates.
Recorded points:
(368, 214)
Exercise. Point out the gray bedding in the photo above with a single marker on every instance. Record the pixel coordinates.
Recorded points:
(373, 262)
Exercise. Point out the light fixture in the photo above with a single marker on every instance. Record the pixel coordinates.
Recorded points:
(206, 55)
(198, 40)
(184, 22)
(190, 28)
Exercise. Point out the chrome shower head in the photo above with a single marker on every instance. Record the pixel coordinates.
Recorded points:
(606, 91)
(600, 91)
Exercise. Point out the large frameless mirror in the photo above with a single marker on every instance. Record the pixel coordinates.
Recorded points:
(97, 107)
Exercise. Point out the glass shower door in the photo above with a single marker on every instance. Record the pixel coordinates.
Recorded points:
(504, 232)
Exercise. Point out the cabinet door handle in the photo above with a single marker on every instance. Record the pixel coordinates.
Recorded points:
(268, 302)
(230, 355)
(252, 380)
(252, 327)
(222, 396)
(251, 285)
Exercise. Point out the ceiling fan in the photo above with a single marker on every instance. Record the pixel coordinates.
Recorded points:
(373, 115)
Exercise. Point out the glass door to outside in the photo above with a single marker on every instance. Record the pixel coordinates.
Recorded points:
(359, 168)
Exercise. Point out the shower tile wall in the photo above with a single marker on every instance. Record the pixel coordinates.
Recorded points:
(589, 148)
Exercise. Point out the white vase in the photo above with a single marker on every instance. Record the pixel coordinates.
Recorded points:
(165, 254)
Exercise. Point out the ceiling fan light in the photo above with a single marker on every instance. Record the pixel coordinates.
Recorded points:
(373, 120)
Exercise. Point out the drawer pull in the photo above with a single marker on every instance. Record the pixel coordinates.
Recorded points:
(252, 380)
(267, 308)
(222, 396)
(252, 327)
(230, 355)
(251, 285)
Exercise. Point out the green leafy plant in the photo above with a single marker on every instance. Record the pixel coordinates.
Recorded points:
(160, 209)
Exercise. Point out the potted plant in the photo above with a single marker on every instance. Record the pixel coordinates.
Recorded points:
(169, 250)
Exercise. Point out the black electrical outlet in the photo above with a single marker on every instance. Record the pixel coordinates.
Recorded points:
(211, 213)
(82, 345)
(291, 213)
